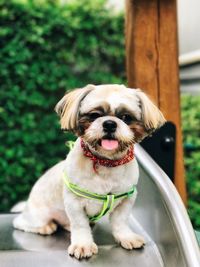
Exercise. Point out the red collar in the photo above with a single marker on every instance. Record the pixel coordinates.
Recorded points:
(107, 162)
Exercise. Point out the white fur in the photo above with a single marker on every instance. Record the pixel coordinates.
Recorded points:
(50, 202)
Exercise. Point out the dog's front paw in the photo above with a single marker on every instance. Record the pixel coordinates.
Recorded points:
(84, 250)
(132, 241)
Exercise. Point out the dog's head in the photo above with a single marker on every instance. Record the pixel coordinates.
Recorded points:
(109, 118)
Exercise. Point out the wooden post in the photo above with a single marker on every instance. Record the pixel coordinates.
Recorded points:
(152, 63)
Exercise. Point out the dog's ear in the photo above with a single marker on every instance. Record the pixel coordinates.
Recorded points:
(68, 107)
(152, 117)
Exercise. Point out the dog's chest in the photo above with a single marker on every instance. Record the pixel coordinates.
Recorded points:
(113, 180)
(105, 181)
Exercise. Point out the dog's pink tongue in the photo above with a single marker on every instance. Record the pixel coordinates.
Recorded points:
(109, 144)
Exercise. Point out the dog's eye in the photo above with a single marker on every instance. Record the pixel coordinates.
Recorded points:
(94, 115)
(127, 118)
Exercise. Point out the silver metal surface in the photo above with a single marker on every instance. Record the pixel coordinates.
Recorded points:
(158, 215)
(165, 219)
(190, 79)
(19, 249)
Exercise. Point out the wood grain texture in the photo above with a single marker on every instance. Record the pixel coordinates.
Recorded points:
(152, 63)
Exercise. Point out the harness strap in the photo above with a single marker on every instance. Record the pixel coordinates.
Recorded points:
(108, 200)
(107, 206)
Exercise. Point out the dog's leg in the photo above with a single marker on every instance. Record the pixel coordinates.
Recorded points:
(120, 229)
(35, 221)
(82, 244)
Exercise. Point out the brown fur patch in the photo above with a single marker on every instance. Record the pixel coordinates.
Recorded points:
(122, 110)
(83, 124)
(139, 131)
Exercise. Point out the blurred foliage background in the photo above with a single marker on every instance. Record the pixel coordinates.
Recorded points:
(191, 139)
(46, 49)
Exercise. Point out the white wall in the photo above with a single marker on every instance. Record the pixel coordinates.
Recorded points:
(189, 25)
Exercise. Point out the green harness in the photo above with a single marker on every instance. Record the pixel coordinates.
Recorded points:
(108, 200)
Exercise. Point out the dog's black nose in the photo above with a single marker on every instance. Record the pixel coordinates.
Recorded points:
(109, 126)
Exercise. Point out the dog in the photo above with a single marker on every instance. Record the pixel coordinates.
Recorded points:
(100, 173)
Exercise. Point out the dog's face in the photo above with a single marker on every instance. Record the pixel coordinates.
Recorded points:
(109, 117)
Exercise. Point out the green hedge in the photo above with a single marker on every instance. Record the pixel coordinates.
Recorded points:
(191, 134)
(46, 49)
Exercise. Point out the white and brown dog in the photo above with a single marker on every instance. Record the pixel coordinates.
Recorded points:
(109, 120)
